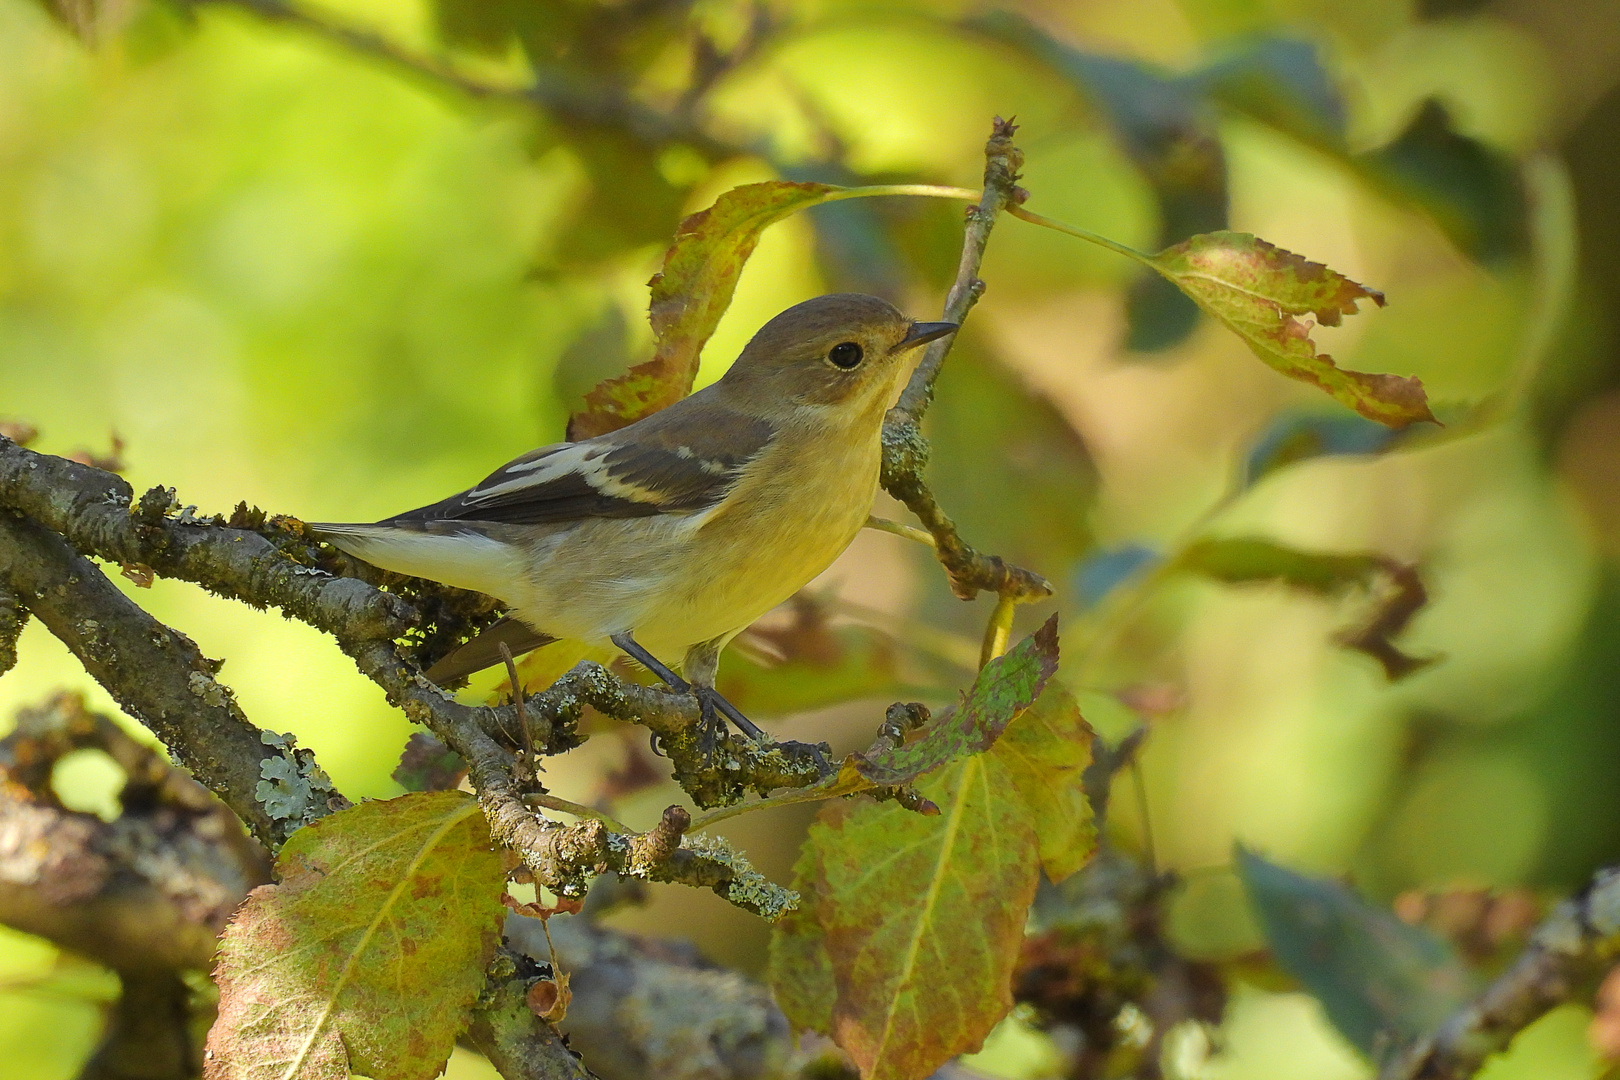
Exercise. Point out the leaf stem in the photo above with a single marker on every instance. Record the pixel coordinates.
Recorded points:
(900, 528)
(552, 802)
(998, 631)
(1084, 234)
(935, 191)
(787, 798)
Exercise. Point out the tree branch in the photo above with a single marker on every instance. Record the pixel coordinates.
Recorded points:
(1565, 953)
(93, 510)
(654, 1008)
(160, 671)
(13, 617)
(158, 675)
(555, 91)
(145, 894)
(905, 449)
(517, 1043)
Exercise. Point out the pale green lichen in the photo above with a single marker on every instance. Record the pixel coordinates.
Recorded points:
(292, 787)
(748, 888)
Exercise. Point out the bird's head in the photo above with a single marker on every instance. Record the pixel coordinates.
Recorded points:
(838, 349)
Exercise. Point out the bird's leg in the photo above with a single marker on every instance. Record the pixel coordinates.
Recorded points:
(708, 722)
(701, 665)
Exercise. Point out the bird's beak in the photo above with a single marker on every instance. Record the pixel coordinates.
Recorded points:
(923, 332)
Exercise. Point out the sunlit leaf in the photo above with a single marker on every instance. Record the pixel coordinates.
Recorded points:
(1006, 687)
(1257, 290)
(923, 917)
(1045, 751)
(1381, 981)
(689, 295)
(1241, 560)
(369, 953)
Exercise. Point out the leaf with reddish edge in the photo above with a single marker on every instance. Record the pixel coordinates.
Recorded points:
(689, 295)
(1007, 686)
(1256, 289)
(923, 917)
(368, 955)
(1045, 750)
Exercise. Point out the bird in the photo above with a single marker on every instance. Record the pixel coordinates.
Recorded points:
(669, 536)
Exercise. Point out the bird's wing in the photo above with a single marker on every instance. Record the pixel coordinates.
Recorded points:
(678, 461)
(485, 650)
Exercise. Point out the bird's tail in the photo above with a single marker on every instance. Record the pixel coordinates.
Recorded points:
(485, 650)
(451, 553)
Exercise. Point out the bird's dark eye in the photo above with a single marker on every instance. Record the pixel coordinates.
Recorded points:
(846, 354)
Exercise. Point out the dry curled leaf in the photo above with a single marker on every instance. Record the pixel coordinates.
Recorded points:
(1399, 590)
(689, 295)
(549, 998)
(1258, 290)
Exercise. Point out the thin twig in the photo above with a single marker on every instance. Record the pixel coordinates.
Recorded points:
(905, 450)
(522, 712)
(1565, 954)
(900, 528)
(580, 810)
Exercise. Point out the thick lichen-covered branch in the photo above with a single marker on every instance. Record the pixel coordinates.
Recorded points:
(13, 617)
(905, 449)
(1565, 955)
(580, 103)
(97, 513)
(157, 674)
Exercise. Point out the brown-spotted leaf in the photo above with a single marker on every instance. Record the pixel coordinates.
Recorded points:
(923, 917)
(1045, 750)
(368, 955)
(1006, 687)
(1257, 289)
(689, 295)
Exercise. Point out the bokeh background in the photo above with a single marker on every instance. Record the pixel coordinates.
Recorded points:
(339, 277)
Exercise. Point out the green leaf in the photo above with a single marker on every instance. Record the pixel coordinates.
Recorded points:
(1381, 981)
(801, 974)
(1242, 559)
(923, 917)
(820, 665)
(1007, 686)
(1257, 290)
(368, 955)
(1045, 750)
(689, 296)
(1400, 591)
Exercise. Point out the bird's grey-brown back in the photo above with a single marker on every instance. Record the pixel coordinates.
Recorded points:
(692, 522)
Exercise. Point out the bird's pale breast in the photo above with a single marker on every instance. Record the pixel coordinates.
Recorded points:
(682, 579)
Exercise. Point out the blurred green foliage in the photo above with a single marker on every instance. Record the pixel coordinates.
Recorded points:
(287, 268)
